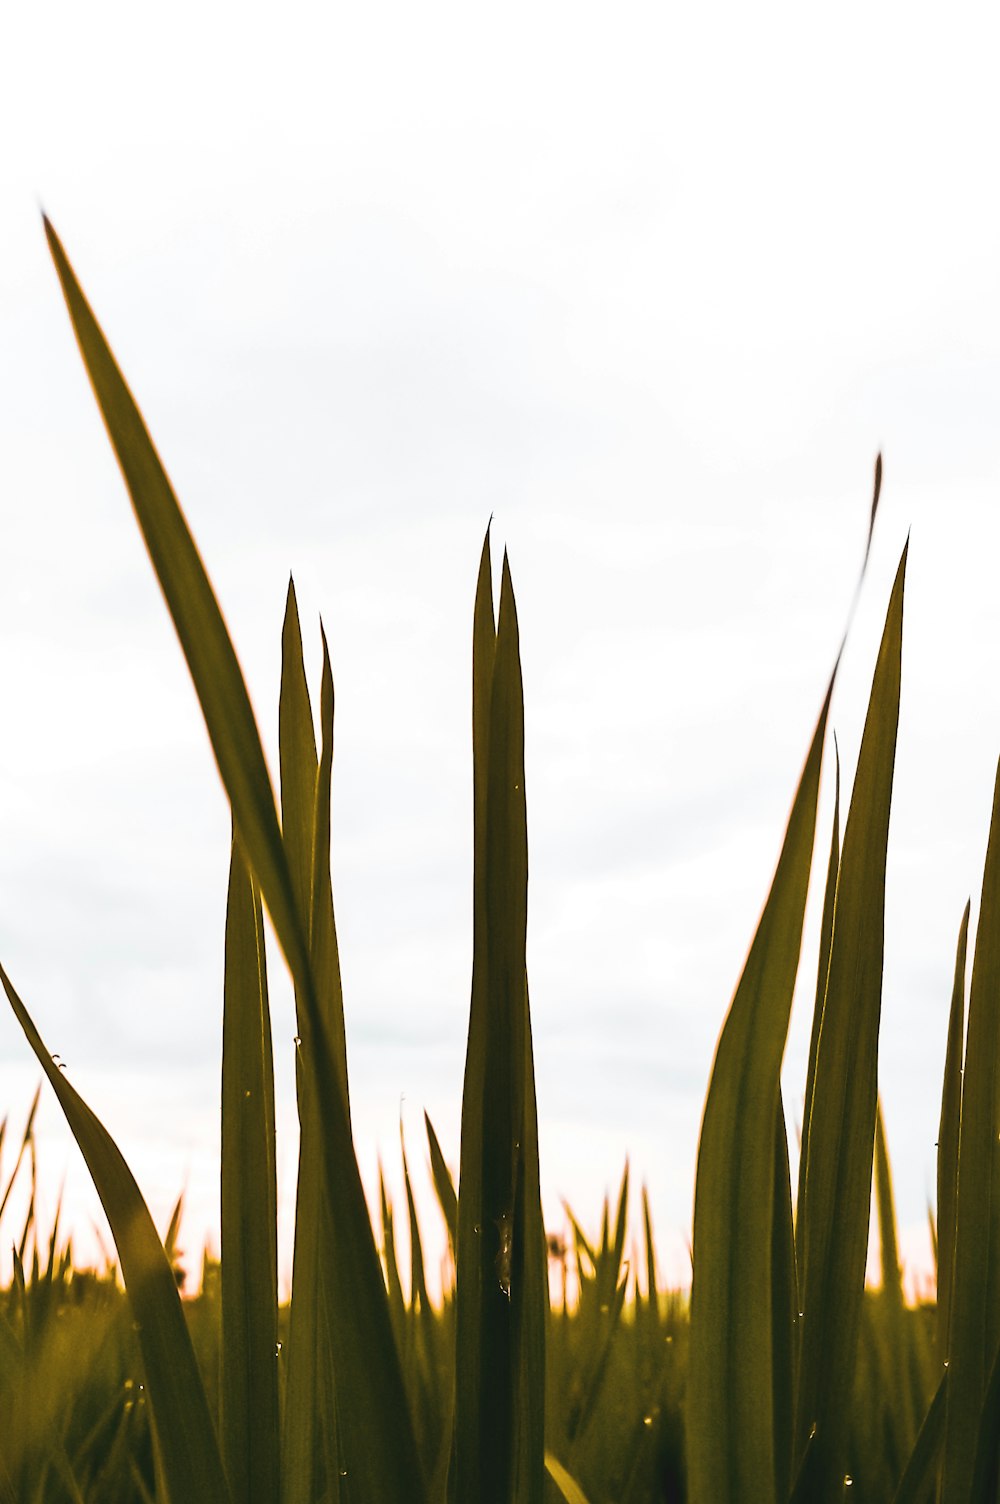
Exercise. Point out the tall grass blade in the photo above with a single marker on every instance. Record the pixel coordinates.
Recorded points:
(784, 1309)
(472, 1265)
(822, 973)
(501, 1277)
(249, 1358)
(189, 1451)
(308, 1376)
(892, 1274)
(948, 1142)
(975, 1298)
(730, 1414)
(379, 1449)
(842, 1116)
(297, 759)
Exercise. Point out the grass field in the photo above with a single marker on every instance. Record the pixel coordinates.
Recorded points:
(782, 1379)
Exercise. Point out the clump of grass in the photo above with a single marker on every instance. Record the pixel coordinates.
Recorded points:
(787, 1377)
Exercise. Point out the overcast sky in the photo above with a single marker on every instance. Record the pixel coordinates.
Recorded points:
(650, 284)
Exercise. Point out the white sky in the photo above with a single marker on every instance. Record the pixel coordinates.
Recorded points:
(653, 285)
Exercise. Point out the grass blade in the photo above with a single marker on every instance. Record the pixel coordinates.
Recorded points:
(443, 1185)
(471, 1267)
(948, 1141)
(379, 1447)
(189, 1451)
(784, 1310)
(297, 759)
(501, 1281)
(986, 1470)
(730, 1415)
(822, 973)
(892, 1275)
(975, 1298)
(249, 1361)
(918, 1478)
(564, 1481)
(842, 1116)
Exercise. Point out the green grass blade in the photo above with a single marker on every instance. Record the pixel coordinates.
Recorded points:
(842, 1117)
(249, 1361)
(397, 1302)
(308, 1361)
(975, 1298)
(892, 1274)
(529, 1295)
(195, 613)
(564, 1481)
(443, 1185)
(948, 1141)
(986, 1470)
(418, 1282)
(730, 1420)
(463, 1479)
(379, 1447)
(822, 973)
(298, 763)
(27, 1139)
(784, 1310)
(192, 1465)
(920, 1473)
(501, 1293)
(323, 946)
(652, 1299)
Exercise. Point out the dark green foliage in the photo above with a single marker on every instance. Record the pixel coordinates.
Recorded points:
(787, 1381)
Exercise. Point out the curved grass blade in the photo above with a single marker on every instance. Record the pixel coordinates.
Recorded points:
(195, 613)
(842, 1116)
(948, 1141)
(975, 1298)
(189, 1451)
(249, 1356)
(378, 1443)
(730, 1417)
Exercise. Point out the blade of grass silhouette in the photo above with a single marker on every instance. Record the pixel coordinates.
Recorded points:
(189, 1451)
(379, 1447)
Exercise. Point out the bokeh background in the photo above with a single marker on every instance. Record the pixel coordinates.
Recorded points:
(651, 285)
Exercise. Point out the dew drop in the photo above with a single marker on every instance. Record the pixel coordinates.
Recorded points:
(297, 1041)
(247, 1092)
(647, 1420)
